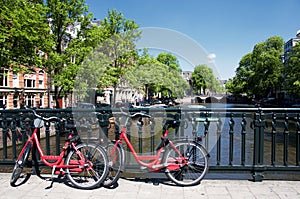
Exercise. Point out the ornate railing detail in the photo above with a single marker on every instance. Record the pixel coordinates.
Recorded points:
(248, 140)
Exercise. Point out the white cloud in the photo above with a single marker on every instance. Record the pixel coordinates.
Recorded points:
(211, 57)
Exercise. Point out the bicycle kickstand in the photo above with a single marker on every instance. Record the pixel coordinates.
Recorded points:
(52, 173)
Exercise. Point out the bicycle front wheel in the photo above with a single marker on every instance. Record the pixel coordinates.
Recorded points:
(18, 175)
(88, 177)
(187, 163)
(115, 157)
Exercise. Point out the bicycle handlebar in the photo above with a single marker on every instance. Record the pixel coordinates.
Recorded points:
(46, 118)
(141, 114)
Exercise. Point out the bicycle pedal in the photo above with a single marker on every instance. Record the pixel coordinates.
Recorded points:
(59, 172)
(143, 168)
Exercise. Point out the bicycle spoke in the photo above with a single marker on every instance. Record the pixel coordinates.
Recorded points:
(91, 177)
(195, 163)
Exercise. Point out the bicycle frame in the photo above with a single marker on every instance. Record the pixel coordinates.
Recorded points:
(155, 162)
(57, 161)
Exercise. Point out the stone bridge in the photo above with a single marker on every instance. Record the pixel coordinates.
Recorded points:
(210, 99)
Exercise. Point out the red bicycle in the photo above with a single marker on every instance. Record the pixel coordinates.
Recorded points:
(185, 161)
(84, 165)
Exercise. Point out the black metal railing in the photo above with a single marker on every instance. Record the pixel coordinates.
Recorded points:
(257, 141)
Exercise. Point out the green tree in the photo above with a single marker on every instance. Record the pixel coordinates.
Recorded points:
(74, 39)
(267, 67)
(260, 72)
(152, 75)
(118, 47)
(78, 51)
(24, 34)
(292, 71)
(203, 79)
(239, 83)
(89, 75)
(169, 60)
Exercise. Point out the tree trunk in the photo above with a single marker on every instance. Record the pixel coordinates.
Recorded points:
(147, 92)
(56, 97)
(114, 96)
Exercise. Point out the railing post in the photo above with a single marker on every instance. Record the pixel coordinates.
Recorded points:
(206, 127)
(47, 134)
(273, 154)
(219, 125)
(286, 140)
(194, 124)
(128, 132)
(243, 142)
(4, 138)
(140, 134)
(231, 131)
(258, 153)
(58, 132)
(152, 133)
(298, 141)
(13, 128)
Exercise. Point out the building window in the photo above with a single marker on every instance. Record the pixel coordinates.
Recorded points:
(15, 80)
(41, 79)
(29, 100)
(29, 83)
(3, 101)
(3, 78)
(41, 102)
(15, 101)
(41, 84)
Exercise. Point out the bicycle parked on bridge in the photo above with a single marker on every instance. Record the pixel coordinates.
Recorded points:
(85, 165)
(184, 161)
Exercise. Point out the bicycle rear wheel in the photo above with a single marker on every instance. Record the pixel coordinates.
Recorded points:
(187, 163)
(88, 178)
(18, 175)
(115, 165)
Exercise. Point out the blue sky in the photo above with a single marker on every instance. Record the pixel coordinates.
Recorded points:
(226, 30)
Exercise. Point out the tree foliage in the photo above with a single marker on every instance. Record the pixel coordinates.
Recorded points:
(260, 71)
(74, 38)
(118, 47)
(152, 75)
(292, 71)
(239, 84)
(24, 34)
(204, 80)
(169, 60)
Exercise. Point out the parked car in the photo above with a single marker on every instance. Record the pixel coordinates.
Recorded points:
(267, 102)
(86, 105)
(104, 108)
(296, 106)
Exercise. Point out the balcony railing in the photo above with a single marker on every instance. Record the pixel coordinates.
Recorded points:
(254, 141)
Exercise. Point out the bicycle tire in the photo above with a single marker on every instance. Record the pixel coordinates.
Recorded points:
(88, 178)
(19, 177)
(195, 168)
(115, 157)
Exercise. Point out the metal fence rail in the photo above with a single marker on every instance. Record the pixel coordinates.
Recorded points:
(248, 140)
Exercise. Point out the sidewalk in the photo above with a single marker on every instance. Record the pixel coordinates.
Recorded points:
(138, 189)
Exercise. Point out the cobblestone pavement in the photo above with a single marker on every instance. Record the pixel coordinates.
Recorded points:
(37, 188)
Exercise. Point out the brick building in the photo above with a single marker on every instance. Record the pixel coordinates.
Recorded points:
(24, 89)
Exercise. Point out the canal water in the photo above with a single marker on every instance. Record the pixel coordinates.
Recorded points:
(224, 138)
